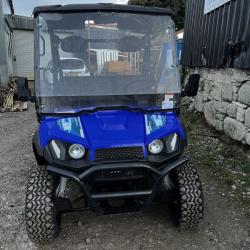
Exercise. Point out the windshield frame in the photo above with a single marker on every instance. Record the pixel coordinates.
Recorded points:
(102, 7)
(37, 26)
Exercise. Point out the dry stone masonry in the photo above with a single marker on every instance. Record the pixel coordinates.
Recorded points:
(224, 98)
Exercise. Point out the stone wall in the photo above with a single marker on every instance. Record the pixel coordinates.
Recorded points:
(224, 98)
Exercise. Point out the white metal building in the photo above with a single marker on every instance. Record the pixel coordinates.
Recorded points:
(23, 46)
(6, 37)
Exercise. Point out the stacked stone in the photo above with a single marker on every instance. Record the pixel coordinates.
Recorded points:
(224, 97)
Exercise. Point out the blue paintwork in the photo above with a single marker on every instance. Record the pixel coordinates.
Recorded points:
(179, 48)
(105, 129)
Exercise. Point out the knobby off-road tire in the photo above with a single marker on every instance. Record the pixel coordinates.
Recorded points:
(188, 208)
(40, 212)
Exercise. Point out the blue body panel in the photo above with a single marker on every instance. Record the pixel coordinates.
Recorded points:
(106, 129)
(179, 48)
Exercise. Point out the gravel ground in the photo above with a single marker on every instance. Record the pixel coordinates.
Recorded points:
(224, 226)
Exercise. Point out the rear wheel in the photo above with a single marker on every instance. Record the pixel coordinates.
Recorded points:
(188, 207)
(40, 212)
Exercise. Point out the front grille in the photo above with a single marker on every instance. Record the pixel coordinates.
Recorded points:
(119, 153)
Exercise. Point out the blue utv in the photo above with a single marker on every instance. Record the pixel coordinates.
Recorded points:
(107, 94)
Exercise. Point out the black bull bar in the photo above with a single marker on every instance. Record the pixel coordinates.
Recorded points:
(92, 198)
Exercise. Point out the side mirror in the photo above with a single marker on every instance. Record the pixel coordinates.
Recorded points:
(191, 88)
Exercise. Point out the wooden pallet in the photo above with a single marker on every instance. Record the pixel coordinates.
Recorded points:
(18, 106)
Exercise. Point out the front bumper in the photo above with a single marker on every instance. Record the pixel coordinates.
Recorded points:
(94, 198)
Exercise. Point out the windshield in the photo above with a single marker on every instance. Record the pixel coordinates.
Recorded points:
(90, 60)
(72, 63)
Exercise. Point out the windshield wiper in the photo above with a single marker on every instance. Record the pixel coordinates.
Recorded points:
(90, 111)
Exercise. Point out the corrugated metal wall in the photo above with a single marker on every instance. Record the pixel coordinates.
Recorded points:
(22, 22)
(220, 38)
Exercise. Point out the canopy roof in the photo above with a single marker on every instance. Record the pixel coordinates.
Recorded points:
(107, 7)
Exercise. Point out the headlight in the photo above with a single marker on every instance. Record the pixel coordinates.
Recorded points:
(171, 143)
(156, 147)
(76, 151)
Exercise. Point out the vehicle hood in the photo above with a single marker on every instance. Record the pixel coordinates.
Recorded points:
(114, 128)
(105, 129)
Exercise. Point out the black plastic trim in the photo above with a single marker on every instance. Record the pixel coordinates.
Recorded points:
(80, 179)
(104, 7)
(130, 194)
(70, 114)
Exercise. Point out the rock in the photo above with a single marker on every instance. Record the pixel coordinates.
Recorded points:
(201, 84)
(221, 107)
(208, 86)
(227, 92)
(248, 138)
(235, 97)
(247, 118)
(235, 129)
(234, 187)
(87, 240)
(217, 92)
(244, 93)
(240, 105)
(220, 117)
(191, 107)
(232, 110)
(210, 113)
(198, 104)
(236, 86)
(240, 116)
(213, 118)
(219, 125)
(205, 97)
(80, 224)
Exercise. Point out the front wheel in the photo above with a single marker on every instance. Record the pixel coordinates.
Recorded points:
(40, 212)
(188, 207)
